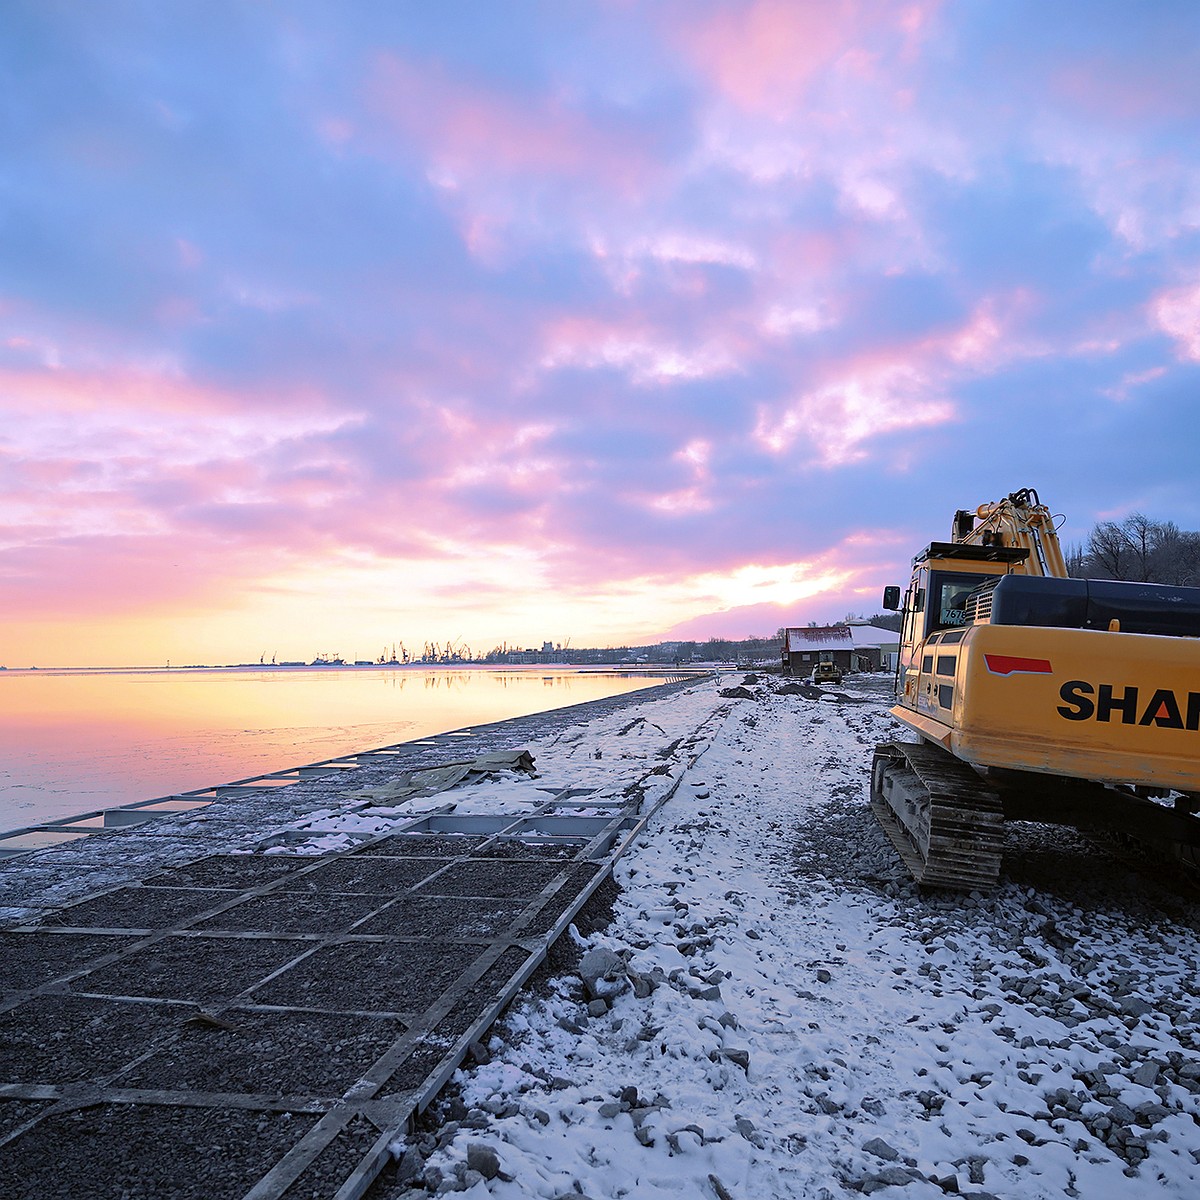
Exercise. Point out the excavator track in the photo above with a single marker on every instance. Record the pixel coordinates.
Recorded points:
(946, 823)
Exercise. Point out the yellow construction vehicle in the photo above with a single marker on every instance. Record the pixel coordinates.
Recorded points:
(827, 672)
(1037, 697)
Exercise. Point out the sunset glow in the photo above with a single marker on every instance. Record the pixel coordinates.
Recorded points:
(325, 327)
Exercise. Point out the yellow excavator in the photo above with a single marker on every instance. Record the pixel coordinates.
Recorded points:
(1035, 696)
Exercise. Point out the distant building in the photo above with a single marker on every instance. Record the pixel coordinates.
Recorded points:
(531, 656)
(856, 646)
(882, 646)
(804, 647)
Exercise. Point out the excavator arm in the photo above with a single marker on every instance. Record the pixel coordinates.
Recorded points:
(1020, 520)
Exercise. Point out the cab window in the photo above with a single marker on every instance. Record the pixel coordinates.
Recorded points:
(948, 594)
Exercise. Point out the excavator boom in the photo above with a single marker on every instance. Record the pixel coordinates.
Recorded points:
(1019, 520)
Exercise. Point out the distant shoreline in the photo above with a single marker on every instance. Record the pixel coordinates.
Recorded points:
(91, 859)
(82, 740)
(326, 668)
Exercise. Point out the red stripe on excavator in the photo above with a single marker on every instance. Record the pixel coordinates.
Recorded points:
(1007, 664)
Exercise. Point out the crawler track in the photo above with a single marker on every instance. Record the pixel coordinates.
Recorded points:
(1116, 815)
(946, 823)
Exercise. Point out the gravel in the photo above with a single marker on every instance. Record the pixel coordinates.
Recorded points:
(370, 976)
(294, 1054)
(135, 1152)
(428, 916)
(65, 1039)
(494, 879)
(139, 908)
(1041, 1040)
(295, 913)
(204, 969)
(92, 1035)
(32, 959)
(365, 876)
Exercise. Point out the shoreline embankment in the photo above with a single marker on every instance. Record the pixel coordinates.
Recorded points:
(238, 817)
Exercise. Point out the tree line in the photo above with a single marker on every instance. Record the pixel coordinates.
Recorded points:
(1138, 549)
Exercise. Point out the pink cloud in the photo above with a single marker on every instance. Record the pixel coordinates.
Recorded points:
(133, 533)
(189, 254)
(469, 131)
(847, 580)
(895, 387)
(125, 488)
(798, 254)
(335, 131)
(803, 293)
(765, 56)
(676, 258)
(88, 578)
(1176, 312)
(1146, 191)
(1130, 90)
(646, 354)
(980, 344)
(694, 495)
(178, 312)
(1131, 381)
(803, 96)
(841, 417)
(124, 389)
(508, 167)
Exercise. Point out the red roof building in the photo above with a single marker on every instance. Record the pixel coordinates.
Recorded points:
(805, 646)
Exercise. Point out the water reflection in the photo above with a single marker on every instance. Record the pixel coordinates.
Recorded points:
(77, 740)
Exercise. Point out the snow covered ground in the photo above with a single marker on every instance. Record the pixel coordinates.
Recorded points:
(633, 756)
(787, 1017)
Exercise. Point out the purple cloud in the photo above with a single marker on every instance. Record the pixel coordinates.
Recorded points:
(691, 317)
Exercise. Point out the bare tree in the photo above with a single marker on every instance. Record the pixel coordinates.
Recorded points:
(1141, 533)
(1141, 550)
(1108, 551)
(1176, 556)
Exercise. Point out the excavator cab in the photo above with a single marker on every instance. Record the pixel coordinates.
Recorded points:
(945, 577)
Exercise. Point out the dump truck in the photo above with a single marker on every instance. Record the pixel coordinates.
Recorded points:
(1035, 696)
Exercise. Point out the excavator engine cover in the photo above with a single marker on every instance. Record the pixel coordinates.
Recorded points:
(1090, 604)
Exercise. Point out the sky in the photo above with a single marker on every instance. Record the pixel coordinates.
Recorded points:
(325, 326)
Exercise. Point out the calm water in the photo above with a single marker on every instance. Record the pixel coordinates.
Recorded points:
(79, 740)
